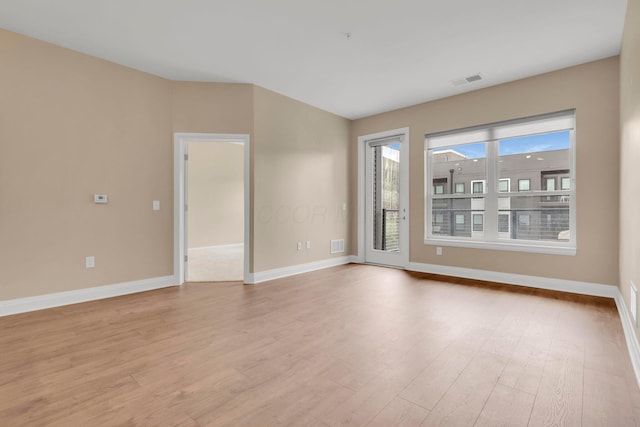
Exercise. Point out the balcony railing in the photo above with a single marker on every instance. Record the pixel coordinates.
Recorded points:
(390, 229)
(544, 223)
(555, 199)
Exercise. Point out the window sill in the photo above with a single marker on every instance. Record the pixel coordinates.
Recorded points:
(530, 247)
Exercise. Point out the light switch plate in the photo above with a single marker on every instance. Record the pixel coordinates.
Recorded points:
(156, 205)
(100, 198)
(90, 262)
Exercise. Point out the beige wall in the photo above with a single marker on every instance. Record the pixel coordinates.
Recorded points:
(212, 107)
(70, 126)
(215, 194)
(301, 162)
(592, 89)
(630, 151)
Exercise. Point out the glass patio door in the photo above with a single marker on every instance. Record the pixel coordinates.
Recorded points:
(386, 202)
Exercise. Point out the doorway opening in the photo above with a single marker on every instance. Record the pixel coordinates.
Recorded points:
(211, 207)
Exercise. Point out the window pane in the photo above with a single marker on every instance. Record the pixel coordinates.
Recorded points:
(503, 223)
(460, 220)
(478, 221)
(566, 183)
(440, 185)
(503, 185)
(550, 184)
(524, 184)
(460, 187)
(386, 197)
(478, 187)
(533, 218)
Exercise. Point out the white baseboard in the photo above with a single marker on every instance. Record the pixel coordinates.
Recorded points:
(629, 334)
(40, 302)
(584, 288)
(575, 287)
(278, 273)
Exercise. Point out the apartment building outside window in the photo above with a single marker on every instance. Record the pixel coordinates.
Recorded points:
(535, 154)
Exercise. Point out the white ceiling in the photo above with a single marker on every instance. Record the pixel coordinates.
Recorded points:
(400, 53)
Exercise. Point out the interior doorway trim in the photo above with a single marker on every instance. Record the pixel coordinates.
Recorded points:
(179, 150)
(404, 181)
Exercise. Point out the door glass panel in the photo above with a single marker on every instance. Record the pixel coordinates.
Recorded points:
(386, 197)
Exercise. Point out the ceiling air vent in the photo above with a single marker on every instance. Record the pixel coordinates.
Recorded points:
(473, 78)
(465, 80)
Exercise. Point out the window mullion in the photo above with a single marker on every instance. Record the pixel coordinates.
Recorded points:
(491, 200)
(427, 193)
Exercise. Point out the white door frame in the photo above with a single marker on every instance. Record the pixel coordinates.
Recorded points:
(179, 180)
(404, 199)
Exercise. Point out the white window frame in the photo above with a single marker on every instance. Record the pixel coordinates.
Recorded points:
(508, 181)
(522, 180)
(491, 134)
(481, 181)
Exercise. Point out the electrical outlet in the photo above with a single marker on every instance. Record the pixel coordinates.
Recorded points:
(299, 246)
(90, 262)
(438, 250)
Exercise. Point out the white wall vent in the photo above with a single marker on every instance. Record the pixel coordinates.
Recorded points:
(337, 246)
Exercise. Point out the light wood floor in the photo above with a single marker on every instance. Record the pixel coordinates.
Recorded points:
(356, 345)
